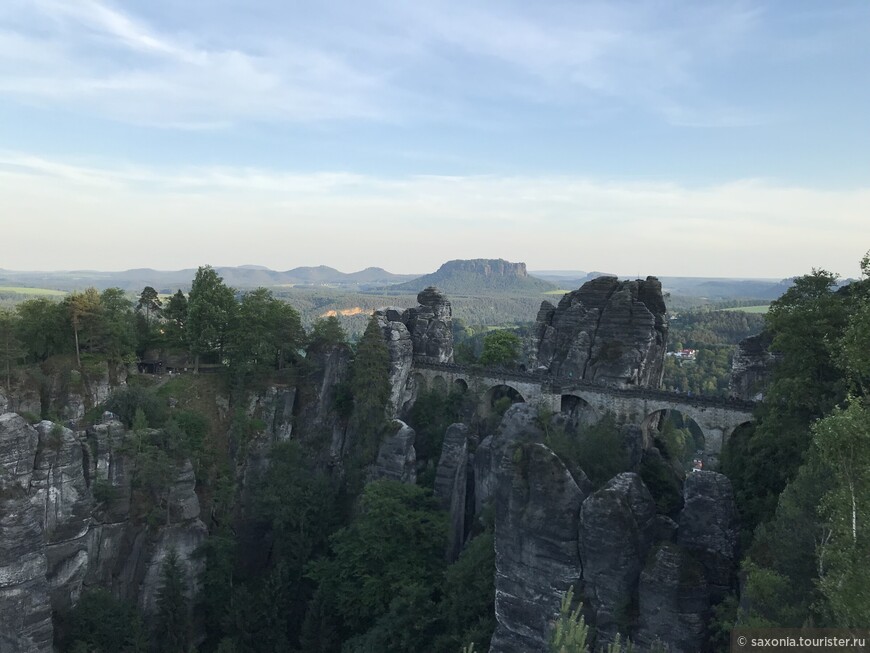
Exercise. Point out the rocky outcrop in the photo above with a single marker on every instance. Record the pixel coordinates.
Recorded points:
(431, 327)
(673, 601)
(451, 484)
(318, 424)
(401, 350)
(617, 525)
(397, 458)
(537, 515)
(25, 607)
(709, 528)
(608, 331)
(66, 524)
(537, 510)
(752, 367)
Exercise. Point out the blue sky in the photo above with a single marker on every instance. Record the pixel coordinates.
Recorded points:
(707, 139)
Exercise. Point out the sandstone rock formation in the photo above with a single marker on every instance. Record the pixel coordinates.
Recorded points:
(752, 367)
(617, 525)
(431, 327)
(709, 528)
(451, 484)
(608, 331)
(397, 458)
(401, 350)
(57, 538)
(537, 508)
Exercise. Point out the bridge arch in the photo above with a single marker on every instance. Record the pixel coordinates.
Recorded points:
(679, 433)
(439, 384)
(497, 395)
(460, 385)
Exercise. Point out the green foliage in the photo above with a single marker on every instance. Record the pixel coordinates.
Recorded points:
(149, 303)
(175, 316)
(392, 548)
(172, 620)
(597, 449)
(570, 632)
(709, 373)
(211, 310)
(432, 413)
(42, 329)
(500, 348)
(370, 385)
(842, 441)
(265, 333)
(11, 348)
(100, 623)
(326, 333)
(468, 605)
(125, 401)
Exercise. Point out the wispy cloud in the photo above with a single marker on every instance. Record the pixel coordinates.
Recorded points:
(389, 63)
(415, 222)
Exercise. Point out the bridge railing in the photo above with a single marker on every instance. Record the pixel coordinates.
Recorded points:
(564, 385)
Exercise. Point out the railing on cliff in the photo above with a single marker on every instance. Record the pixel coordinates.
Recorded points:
(563, 385)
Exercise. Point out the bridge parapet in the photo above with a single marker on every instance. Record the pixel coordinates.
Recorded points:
(564, 385)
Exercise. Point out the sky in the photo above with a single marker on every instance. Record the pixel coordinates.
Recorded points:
(674, 138)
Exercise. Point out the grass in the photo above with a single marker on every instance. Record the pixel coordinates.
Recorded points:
(558, 291)
(24, 290)
(750, 309)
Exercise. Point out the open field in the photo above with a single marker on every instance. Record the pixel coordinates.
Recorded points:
(24, 290)
(750, 309)
(558, 291)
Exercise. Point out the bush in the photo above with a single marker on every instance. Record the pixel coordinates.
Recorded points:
(124, 402)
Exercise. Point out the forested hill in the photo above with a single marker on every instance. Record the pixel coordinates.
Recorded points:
(466, 277)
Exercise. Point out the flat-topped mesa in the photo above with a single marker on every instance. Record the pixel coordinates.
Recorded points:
(431, 327)
(609, 331)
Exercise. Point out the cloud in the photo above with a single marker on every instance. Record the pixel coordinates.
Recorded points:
(415, 61)
(109, 215)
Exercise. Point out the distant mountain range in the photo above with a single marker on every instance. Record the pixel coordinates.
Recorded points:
(476, 277)
(245, 276)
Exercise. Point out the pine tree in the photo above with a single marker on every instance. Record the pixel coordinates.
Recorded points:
(173, 614)
(570, 631)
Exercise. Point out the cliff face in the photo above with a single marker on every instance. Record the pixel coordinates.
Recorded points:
(637, 572)
(479, 275)
(424, 333)
(608, 331)
(58, 539)
(752, 367)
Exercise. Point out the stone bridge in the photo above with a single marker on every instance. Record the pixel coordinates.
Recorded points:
(717, 417)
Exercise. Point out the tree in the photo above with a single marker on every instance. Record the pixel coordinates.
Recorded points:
(84, 308)
(370, 385)
(100, 623)
(394, 544)
(150, 303)
(176, 315)
(843, 443)
(500, 348)
(117, 337)
(265, 330)
(327, 332)
(173, 614)
(211, 309)
(570, 631)
(11, 350)
(42, 328)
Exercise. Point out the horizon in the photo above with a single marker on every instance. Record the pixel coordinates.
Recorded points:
(681, 139)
